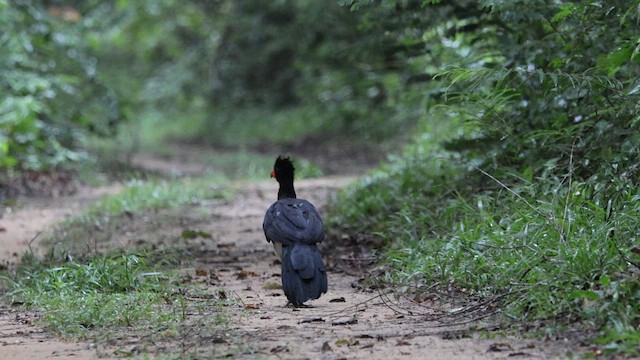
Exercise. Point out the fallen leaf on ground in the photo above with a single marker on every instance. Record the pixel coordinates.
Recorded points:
(497, 347)
(271, 286)
(455, 335)
(222, 295)
(279, 349)
(345, 322)
(192, 234)
(304, 321)
(342, 342)
(519, 353)
(243, 274)
(201, 272)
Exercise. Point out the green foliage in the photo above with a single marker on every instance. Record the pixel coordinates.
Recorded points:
(557, 94)
(158, 54)
(50, 87)
(304, 54)
(531, 204)
(556, 253)
(108, 291)
(113, 294)
(315, 65)
(142, 195)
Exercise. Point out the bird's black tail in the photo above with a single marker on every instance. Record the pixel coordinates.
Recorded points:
(303, 273)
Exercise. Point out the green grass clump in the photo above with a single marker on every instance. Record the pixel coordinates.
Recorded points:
(107, 292)
(141, 195)
(90, 292)
(553, 254)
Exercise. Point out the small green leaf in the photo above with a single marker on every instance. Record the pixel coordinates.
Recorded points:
(565, 11)
(541, 75)
(585, 294)
(557, 63)
(192, 234)
(554, 78)
(272, 286)
(612, 62)
(605, 280)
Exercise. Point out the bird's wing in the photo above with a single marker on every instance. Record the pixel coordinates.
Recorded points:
(293, 220)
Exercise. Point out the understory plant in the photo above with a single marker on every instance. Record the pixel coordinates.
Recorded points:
(528, 207)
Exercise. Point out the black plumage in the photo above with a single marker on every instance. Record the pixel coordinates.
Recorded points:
(294, 227)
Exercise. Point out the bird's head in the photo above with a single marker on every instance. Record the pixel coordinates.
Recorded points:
(283, 169)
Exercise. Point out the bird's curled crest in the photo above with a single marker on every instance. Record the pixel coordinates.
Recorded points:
(283, 166)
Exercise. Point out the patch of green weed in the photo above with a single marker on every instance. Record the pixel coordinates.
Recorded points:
(141, 195)
(105, 295)
(551, 253)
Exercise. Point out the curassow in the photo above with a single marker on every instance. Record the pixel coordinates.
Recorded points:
(294, 227)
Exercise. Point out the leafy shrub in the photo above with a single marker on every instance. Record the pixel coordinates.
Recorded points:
(534, 209)
(50, 85)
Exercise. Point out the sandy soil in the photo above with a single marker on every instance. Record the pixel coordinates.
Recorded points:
(21, 227)
(33, 219)
(346, 323)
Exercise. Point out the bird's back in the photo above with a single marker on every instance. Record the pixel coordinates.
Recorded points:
(290, 221)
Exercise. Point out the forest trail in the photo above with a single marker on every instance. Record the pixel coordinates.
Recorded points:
(351, 321)
(21, 228)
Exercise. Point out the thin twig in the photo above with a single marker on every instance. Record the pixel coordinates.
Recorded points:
(565, 213)
(448, 318)
(511, 191)
(31, 241)
(548, 217)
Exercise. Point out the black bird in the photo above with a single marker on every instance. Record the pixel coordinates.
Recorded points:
(294, 227)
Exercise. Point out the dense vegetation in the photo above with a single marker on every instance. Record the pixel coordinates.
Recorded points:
(225, 73)
(531, 205)
(51, 88)
(519, 188)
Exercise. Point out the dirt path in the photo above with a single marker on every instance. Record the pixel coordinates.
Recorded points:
(26, 223)
(21, 228)
(346, 323)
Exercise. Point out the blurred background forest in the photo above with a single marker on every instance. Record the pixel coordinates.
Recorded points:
(514, 126)
(233, 75)
(533, 80)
